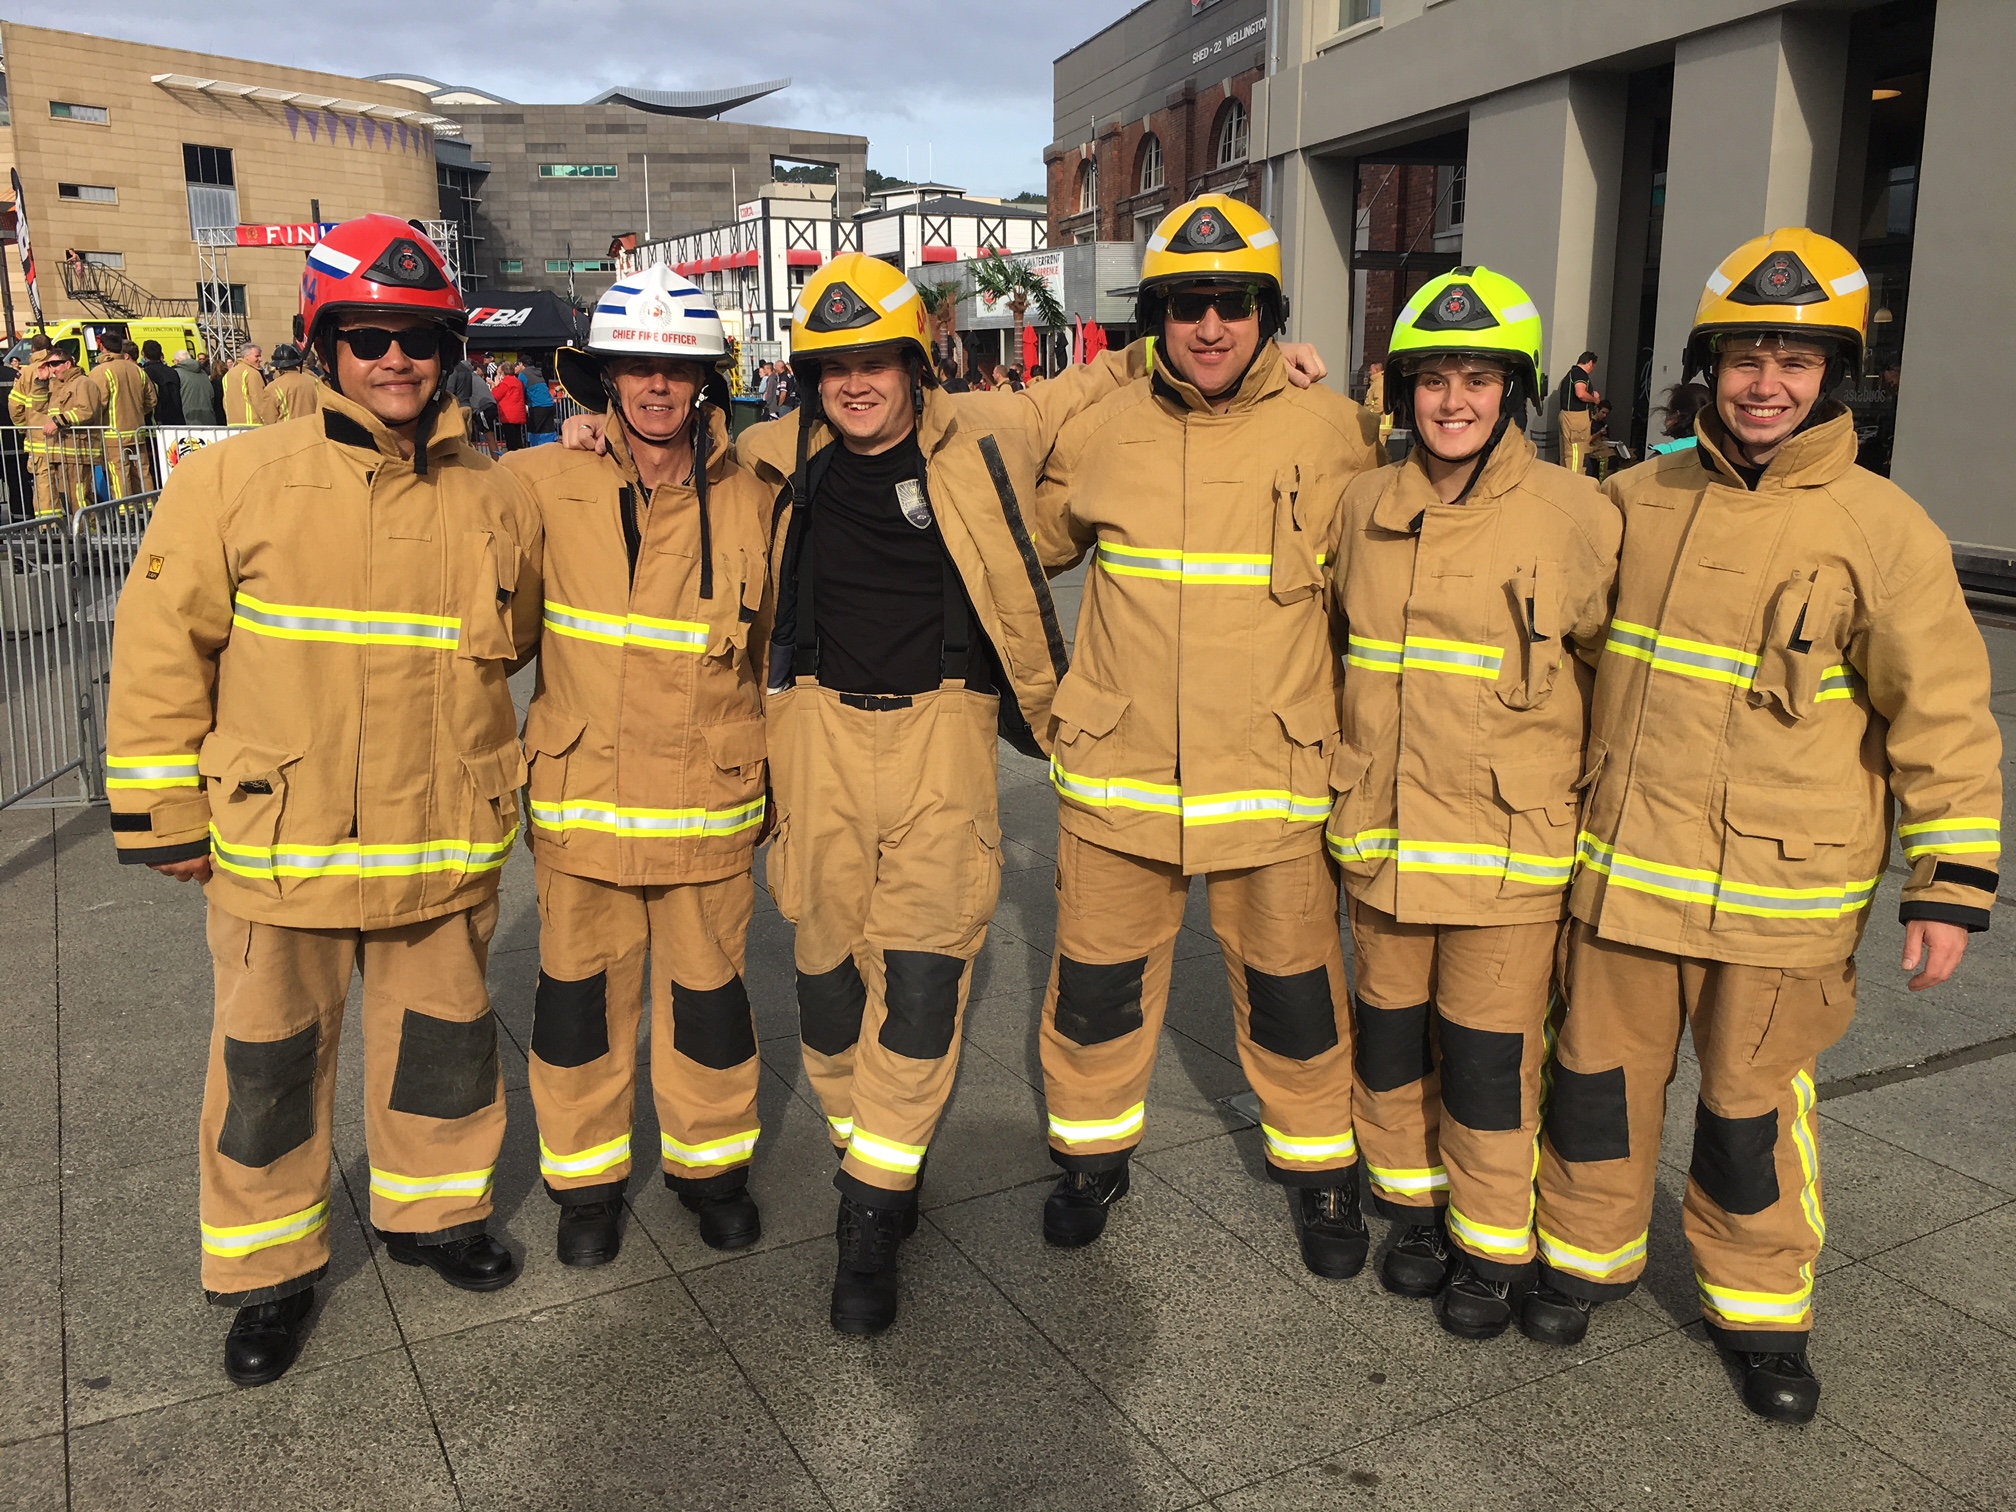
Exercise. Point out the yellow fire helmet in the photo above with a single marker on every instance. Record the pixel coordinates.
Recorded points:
(1212, 238)
(858, 301)
(1467, 312)
(1793, 282)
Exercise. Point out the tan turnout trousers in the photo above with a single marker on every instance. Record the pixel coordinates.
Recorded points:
(594, 939)
(1452, 1040)
(1117, 919)
(433, 1093)
(1753, 1213)
(887, 858)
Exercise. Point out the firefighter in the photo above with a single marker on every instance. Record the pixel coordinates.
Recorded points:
(246, 398)
(1790, 670)
(28, 408)
(76, 407)
(294, 392)
(310, 715)
(127, 396)
(646, 741)
(1197, 731)
(1474, 583)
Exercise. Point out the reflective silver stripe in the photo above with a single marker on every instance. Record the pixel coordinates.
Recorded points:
(1689, 658)
(643, 823)
(714, 1152)
(1429, 654)
(1374, 655)
(1223, 808)
(1096, 1130)
(1601, 1267)
(1366, 845)
(345, 627)
(1756, 1307)
(1117, 792)
(151, 772)
(1952, 837)
(1203, 568)
(1292, 1147)
(619, 630)
(397, 1188)
(603, 1157)
(1685, 884)
(233, 1241)
(1448, 860)
(361, 860)
(1838, 682)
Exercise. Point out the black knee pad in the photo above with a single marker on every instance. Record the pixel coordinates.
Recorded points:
(1291, 1015)
(1393, 1050)
(570, 1020)
(271, 1087)
(1589, 1115)
(1480, 1076)
(1098, 1003)
(830, 1006)
(1736, 1159)
(713, 1025)
(922, 999)
(446, 1069)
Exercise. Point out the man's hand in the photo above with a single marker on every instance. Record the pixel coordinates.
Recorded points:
(196, 869)
(1937, 947)
(583, 433)
(1304, 366)
(49, 427)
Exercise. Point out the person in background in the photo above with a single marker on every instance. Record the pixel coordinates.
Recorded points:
(1579, 395)
(509, 392)
(75, 405)
(28, 408)
(199, 396)
(126, 396)
(245, 400)
(1683, 402)
(949, 379)
(294, 392)
(539, 406)
(167, 385)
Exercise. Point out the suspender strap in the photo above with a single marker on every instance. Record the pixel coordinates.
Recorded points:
(958, 624)
(805, 658)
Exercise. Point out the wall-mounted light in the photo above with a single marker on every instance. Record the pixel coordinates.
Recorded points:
(1882, 316)
(1886, 94)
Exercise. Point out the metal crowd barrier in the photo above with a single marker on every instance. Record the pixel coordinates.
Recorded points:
(60, 579)
(85, 465)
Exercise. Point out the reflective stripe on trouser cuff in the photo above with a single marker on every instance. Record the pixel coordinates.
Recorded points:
(843, 1129)
(647, 823)
(1193, 809)
(1688, 658)
(1512, 1243)
(1791, 1308)
(715, 1152)
(1338, 1147)
(349, 627)
(1467, 860)
(1951, 837)
(885, 1154)
(1688, 884)
(248, 1238)
(266, 862)
(619, 630)
(1402, 1181)
(474, 1185)
(604, 1157)
(1072, 1131)
(1604, 1267)
(151, 772)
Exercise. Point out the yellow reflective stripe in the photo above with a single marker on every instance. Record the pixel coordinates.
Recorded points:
(1408, 1181)
(603, 1157)
(885, 1154)
(622, 629)
(715, 1152)
(348, 627)
(843, 1128)
(1597, 1266)
(1289, 1147)
(151, 772)
(248, 1238)
(1374, 655)
(1195, 809)
(1838, 682)
(266, 862)
(1739, 1307)
(1224, 569)
(1805, 1096)
(1688, 658)
(1515, 1242)
(397, 1188)
(1951, 837)
(1687, 884)
(647, 823)
(1073, 1131)
(1472, 860)
(1465, 658)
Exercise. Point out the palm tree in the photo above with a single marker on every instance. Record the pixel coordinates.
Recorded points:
(941, 304)
(1016, 284)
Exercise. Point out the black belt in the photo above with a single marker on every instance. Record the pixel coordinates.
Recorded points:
(876, 703)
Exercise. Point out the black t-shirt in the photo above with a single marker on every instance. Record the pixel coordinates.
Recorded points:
(1570, 400)
(880, 578)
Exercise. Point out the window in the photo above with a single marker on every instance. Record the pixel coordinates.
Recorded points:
(212, 182)
(1459, 193)
(577, 170)
(580, 265)
(1357, 12)
(1232, 132)
(97, 115)
(235, 300)
(95, 194)
(105, 259)
(1088, 185)
(511, 265)
(1150, 177)
(208, 165)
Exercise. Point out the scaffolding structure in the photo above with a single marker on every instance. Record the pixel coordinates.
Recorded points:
(224, 330)
(447, 235)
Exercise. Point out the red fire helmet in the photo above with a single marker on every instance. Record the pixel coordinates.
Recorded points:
(378, 262)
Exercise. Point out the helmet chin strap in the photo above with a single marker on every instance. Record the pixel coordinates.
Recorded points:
(1483, 457)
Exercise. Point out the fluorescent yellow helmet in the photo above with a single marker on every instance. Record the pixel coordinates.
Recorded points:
(1212, 237)
(1793, 282)
(1468, 311)
(858, 301)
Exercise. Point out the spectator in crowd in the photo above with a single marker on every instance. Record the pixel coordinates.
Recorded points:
(167, 385)
(539, 406)
(1684, 401)
(509, 392)
(199, 397)
(949, 379)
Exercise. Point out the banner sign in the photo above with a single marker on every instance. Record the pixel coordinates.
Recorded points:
(27, 252)
(305, 234)
(172, 443)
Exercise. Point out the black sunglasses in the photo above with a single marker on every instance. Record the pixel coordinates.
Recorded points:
(1189, 305)
(422, 343)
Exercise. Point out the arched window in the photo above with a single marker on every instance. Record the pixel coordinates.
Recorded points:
(1088, 185)
(1150, 176)
(1231, 134)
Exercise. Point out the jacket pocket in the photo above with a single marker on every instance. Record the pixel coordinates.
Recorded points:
(1312, 728)
(1804, 631)
(551, 734)
(1294, 575)
(1083, 721)
(1540, 827)
(1536, 618)
(731, 616)
(1350, 807)
(1786, 851)
(246, 784)
(489, 576)
(983, 879)
(495, 774)
(739, 750)
(780, 873)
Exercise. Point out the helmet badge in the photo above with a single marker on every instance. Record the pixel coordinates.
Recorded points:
(1207, 230)
(1781, 279)
(1457, 308)
(841, 309)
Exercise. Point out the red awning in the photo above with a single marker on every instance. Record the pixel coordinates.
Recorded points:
(747, 259)
(935, 252)
(803, 257)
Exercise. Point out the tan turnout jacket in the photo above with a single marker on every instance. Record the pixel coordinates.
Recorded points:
(1473, 630)
(646, 732)
(295, 394)
(127, 394)
(246, 400)
(1788, 672)
(1200, 720)
(308, 673)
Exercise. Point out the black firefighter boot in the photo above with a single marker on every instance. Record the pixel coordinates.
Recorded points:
(1549, 1315)
(1074, 1214)
(864, 1285)
(728, 1216)
(589, 1233)
(265, 1338)
(1474, 1305)
(1418, 1262)
(1332, 1229)
(473, 1262)
(1779, 1384)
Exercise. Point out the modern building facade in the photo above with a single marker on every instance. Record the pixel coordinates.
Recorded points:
(1608, 156)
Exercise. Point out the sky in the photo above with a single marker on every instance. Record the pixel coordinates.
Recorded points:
(967, 98)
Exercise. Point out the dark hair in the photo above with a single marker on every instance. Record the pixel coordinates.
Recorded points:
(1683, 402)
(1585, 357)
(151, 351)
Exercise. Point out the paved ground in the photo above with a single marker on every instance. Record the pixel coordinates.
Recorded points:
(1187, 1360)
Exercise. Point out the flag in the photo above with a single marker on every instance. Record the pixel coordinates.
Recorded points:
(27, 251)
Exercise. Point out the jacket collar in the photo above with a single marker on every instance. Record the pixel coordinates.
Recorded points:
(1409, 494)
(1812, 459)
(348, 422)
(1267, 376)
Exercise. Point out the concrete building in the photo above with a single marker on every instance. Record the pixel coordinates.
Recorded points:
(126, 151)
(1610, 155)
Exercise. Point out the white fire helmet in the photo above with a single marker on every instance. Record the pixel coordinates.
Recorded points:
(652, 313)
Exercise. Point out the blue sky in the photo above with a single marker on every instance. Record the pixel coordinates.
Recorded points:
(968, 98)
